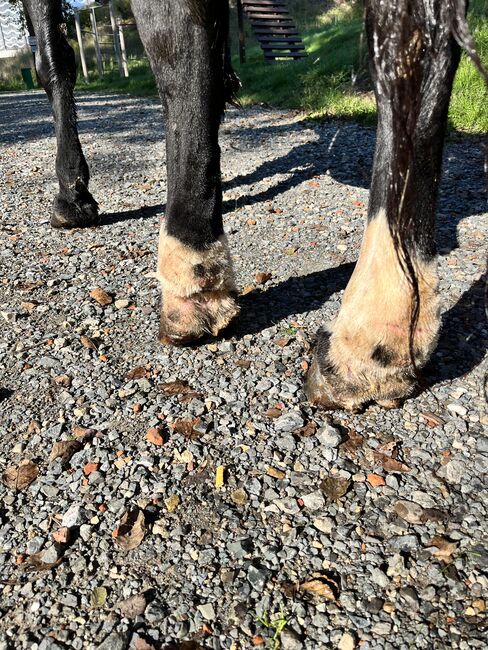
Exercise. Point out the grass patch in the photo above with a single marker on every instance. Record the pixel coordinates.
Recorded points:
(274, 624)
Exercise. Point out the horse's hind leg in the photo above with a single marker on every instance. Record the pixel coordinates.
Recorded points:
(74, 206)
(185, 42)
(390, 309)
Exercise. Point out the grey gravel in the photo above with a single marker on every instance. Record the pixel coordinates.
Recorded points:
(230, 557)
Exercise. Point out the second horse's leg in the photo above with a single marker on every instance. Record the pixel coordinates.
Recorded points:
(185, 42)
(389, 320)
(74, 206)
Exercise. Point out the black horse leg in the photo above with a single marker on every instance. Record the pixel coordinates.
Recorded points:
(186, 45)
(389, 321)
(74, 206)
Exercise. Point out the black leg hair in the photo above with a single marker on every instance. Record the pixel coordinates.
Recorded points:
(74, 206)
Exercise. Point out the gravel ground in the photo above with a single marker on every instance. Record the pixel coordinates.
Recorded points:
(264, 522)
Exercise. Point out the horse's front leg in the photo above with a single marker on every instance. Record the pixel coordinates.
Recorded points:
(185, 42)
(389, 320)
(74, 206)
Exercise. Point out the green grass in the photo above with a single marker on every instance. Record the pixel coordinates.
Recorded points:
(331, 82)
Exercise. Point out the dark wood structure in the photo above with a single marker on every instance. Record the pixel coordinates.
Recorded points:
(273, 27)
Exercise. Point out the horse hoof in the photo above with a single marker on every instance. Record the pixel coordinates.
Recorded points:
(76, 214)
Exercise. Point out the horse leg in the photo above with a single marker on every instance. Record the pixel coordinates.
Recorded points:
(74, 206)
(389, 319)
(186, 45)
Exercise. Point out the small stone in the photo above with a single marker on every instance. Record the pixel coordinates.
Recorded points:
(379, 578)
(74, 516)
(382, 629)
(329, 437)
(207, 611)
(409, 511)
(324, 524)
(404, 542)
(122, 303)
(457, 409)
(172, 502)
(34, 545)
(239, 497)
(347, 642)
(114, 641)
(289, 640)
(289, 422)
(314, 500)
(257, 576)
(455, 471)
(101, 296)
(409, 595)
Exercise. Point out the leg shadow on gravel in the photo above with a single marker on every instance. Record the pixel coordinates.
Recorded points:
(464, 338)
(297, 295)
(145, 212)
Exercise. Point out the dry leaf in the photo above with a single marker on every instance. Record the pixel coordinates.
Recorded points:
(187, 428)
(431, 419)
(132, 607)
(445, 549)
(308, 430)
(64, 449)
(89, 468)
(335, 487)
(180, 387)
(98, 597)
(275, 473)
(283, 342)
(273, 413)
(101, 296)
(27, 287)
(87, 342)
(130, 531)
(142, 644)
(172, 502)
(243, 363)
(136, 373)
(262, 277)
(290, 251)
(83, 433)
(248, 289)
(352, 444)
(320, 587)
(63, 380)
(21, 476)
(390, 464)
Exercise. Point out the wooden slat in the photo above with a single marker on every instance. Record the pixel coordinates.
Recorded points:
(274, 29)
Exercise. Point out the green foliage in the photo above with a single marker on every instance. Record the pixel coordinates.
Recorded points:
(275, 624)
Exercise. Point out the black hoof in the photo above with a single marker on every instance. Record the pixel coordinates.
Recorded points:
(81, 213)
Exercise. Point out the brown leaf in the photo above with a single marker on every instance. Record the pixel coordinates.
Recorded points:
(321, 588)
(64, 449)
(248, 289)
(142, 644)
(308, 430)
(335, 487)
(431, 419)
(352, 444)
(101, 296)
(132, 607)
(82, 432)
(34, 427)
(87, 342)
(243, 363)
(262, 277)
(187, 428)
(27, 287)
(445, 548)
(275, 473)
(273, 413)
(136, 373)
(282, 342)
(21, 476)
(63, 380)
(180, 387)
(130, 531)
(390, 464)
